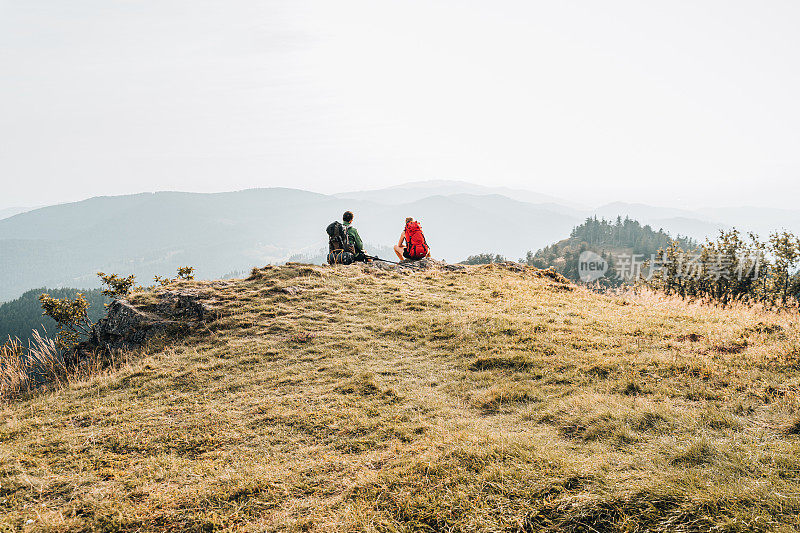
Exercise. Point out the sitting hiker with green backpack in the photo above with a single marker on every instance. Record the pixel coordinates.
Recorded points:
(344, 242)
(412, 244)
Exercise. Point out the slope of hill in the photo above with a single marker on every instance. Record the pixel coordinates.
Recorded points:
(11, 211)
(693, 228)
(642, 211)
(361, 399)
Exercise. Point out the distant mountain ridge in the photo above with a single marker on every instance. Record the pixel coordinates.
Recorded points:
(7, 212)
(151, 234)
(413, 191)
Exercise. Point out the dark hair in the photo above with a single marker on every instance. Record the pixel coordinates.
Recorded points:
(348, 216)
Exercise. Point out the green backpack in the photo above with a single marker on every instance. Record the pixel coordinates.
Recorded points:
(340, 249)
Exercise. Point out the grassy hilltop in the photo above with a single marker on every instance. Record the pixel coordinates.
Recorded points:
(351, 398)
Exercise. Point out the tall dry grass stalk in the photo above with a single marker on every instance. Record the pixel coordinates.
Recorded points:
(24, 369)
(41, 365)
(13, 373)
(46, 360)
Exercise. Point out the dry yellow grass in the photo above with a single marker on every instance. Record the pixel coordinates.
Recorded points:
(372, 401)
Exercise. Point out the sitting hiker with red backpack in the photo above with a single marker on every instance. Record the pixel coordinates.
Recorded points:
(412, 243)
(344, 242)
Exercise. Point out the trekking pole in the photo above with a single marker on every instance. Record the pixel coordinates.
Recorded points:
(376, 258)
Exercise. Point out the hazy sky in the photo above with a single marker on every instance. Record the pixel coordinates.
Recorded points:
(659, 102)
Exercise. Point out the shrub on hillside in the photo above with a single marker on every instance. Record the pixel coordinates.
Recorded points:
(71, 317)
(483, 259)
(732, 269)
(117, 286)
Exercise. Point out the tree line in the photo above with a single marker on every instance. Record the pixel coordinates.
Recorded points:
(610, 240)
(18, 318)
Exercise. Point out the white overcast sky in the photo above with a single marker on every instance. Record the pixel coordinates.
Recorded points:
(682, 103)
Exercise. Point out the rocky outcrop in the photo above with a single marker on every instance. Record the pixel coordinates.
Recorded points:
(187, 304)
(512, 266)
(127, 326)
(417, 265)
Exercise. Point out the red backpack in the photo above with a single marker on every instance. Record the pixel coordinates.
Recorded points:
(416, 247)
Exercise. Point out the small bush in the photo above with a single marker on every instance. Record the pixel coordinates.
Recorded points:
(71, 316)
(184, 274)
(483, 259)
(118, 287)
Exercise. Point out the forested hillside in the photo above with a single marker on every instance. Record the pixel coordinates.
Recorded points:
(610, 240)
(19, 317)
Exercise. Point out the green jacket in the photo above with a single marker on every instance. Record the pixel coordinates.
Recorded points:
(353, 234)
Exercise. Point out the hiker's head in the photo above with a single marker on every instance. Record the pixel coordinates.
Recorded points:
(348, 216)
(409, 219)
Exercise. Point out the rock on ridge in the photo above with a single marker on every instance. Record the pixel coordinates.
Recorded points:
(416, 265)
(126, 326)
